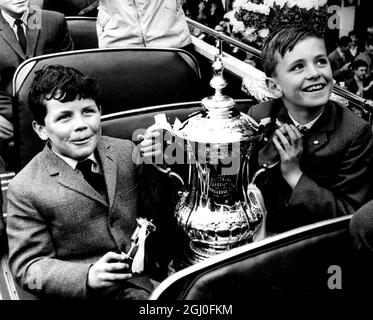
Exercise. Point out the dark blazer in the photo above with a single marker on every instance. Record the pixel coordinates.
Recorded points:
(53, 36)
(58, 225)
(336, 163)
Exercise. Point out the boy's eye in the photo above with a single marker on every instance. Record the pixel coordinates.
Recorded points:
(322, 61)
(89, 111)
(64, 116)
(297, 67)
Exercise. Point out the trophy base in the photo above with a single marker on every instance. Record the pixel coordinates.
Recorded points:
(196, 252)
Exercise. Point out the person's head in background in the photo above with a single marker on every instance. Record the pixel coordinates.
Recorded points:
(14, 8)
(360, 68)
(297, 69)
(65, 106)
(353, 37)
(344, 43)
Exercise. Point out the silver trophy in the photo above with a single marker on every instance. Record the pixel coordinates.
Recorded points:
(219, 207)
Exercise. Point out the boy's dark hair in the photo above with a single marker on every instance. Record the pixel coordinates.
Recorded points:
(359, 63)
(62, 83)
(282, 41)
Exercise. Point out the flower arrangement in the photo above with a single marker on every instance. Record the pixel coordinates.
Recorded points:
(255, 19)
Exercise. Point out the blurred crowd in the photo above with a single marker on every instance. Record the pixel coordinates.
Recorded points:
(216, 14)
(351, 58)
(351, 63)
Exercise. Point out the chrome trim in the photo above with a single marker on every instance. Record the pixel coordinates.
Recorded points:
(225, 38)
(160, 108)
(9, 279)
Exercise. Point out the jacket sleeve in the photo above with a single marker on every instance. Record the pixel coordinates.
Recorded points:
(311, 202)
(32, 253)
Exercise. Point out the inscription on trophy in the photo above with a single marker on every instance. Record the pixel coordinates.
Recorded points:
(221, 186)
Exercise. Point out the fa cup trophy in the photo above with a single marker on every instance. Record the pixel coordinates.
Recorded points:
(219, 207)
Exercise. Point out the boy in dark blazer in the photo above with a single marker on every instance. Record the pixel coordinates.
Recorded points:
(44, 31)
(326, 171)
(66, 232)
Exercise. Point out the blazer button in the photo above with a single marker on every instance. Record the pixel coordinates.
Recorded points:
(316, 142)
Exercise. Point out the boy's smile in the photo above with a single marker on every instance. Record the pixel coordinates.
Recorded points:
(303, 76)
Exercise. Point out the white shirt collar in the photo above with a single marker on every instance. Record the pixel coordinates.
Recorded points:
(11, 21)
(72, 162)
(308, 125)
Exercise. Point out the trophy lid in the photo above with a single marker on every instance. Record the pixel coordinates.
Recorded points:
(219, 122)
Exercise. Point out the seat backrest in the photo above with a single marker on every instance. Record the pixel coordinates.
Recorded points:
(300, 262)
(83, 32)
(128, 78)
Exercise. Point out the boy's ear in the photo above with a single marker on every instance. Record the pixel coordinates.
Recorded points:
(40, 130)
(274, 87)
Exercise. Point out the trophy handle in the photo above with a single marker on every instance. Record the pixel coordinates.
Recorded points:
(264, 168)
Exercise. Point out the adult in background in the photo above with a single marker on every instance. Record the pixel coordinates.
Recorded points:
(355, 49)
(25, 32)
(156, 23)
(340, 60)
(358, 83)
(367, 56)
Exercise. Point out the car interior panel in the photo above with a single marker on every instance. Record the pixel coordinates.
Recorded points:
(298, 263)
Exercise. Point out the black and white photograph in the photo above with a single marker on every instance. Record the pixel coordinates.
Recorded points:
(187, 159)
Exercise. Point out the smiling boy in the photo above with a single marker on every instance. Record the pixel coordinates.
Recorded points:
(326, 171)
(73, 208)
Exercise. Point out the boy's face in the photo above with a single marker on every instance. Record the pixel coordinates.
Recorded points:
(361, 72)
(73, 128)
(303, 77)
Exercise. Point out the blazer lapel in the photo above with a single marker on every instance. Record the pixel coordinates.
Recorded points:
(68, 177)
(317, 136)
(33, 31)
(8, 35)
(32, 38)
(109, 166)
